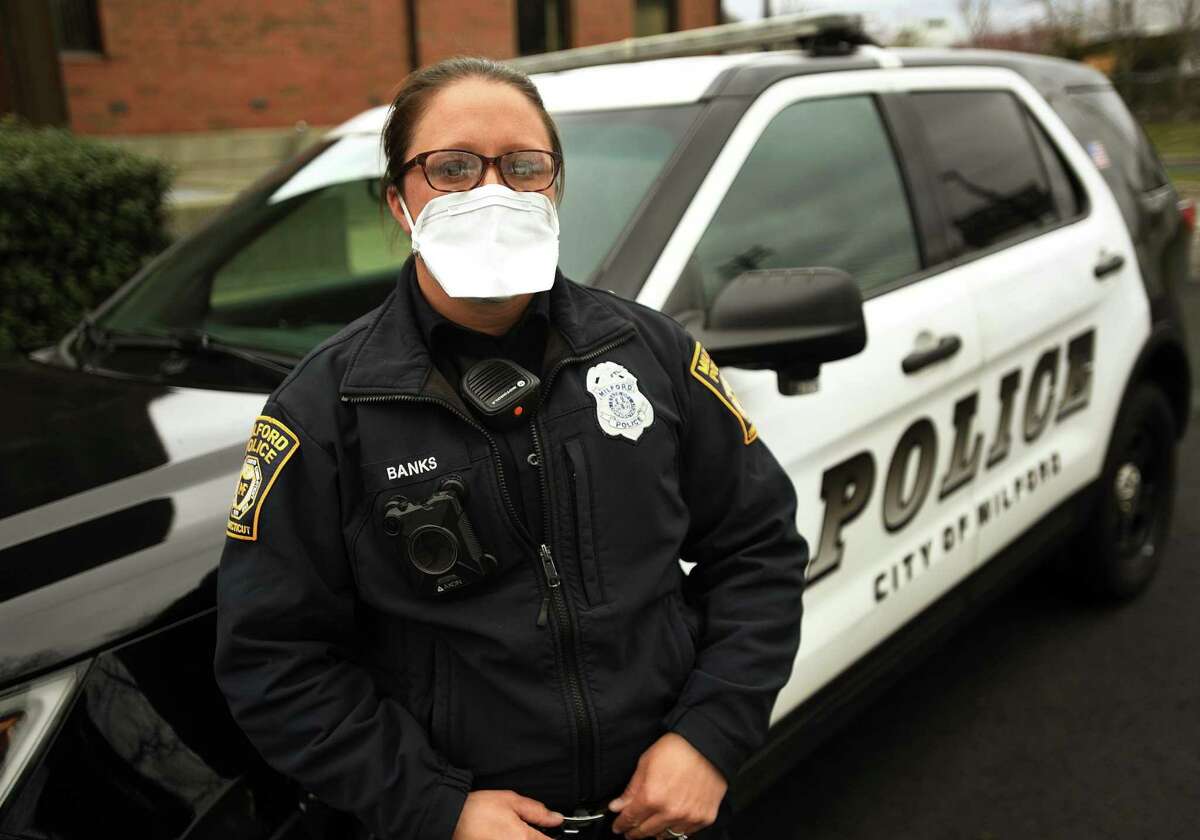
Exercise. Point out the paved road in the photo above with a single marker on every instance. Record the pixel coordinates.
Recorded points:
(1190, 298)
(1044, 719)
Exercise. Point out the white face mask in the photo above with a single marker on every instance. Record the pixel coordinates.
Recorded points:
(489, 242)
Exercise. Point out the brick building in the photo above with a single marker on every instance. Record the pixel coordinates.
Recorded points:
(162, 66)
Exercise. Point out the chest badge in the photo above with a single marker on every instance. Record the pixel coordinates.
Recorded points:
(621, 409)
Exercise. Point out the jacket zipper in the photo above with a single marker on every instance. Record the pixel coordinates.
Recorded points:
(564, 622)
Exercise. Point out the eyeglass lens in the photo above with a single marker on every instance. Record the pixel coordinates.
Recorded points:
(452, 170)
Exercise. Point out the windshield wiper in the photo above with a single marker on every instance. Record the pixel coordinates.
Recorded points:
(182, 339)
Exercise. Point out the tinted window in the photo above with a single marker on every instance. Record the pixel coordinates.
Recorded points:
(820, 188)
(1128, 148)
(612, 160)
(1064, 186)
(992, 182)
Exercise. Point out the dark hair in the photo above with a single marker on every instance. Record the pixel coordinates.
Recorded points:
(419, 86)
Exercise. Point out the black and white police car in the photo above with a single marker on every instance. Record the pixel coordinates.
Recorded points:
(1006, 234)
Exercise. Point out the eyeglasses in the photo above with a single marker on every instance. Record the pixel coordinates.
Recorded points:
(455, 170)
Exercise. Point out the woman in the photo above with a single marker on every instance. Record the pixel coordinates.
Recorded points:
(461, 613)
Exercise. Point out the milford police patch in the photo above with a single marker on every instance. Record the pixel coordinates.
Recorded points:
(621, 409)
(707, 372)
(270, 447)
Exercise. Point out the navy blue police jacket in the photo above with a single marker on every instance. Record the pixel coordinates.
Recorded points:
(554, 675)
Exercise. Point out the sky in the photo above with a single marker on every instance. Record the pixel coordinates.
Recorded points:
(890, 15)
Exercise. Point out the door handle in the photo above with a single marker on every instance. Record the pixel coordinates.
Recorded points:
(1108, 265)
(946, 347)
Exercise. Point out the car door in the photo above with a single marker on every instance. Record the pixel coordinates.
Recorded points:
(809, 177)
(1037, 238)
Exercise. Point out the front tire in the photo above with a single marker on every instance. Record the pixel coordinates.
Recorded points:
(1121, 543)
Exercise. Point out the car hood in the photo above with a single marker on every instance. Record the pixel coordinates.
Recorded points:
(113, 494)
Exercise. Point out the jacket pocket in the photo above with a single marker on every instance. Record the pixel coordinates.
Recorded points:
(585, 542)
(686, 634)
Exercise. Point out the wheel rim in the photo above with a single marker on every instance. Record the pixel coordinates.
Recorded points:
(1136, 494)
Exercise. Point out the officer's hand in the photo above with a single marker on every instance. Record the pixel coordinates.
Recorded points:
(673, 786)
(488, 814)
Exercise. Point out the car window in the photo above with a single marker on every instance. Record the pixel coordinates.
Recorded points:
(334, 234)
(231, 277)
(991, 180)
(310, 248)
(304, 271)
(612, 159)
(821, 187)
(1127, 146)
(1065, 188)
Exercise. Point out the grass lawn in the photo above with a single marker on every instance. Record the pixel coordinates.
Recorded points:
(1176, 142)
(1175, 139)
(1185, 176)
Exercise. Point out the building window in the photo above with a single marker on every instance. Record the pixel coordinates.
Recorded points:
(653, 17)
(541, 26)
(76, 25)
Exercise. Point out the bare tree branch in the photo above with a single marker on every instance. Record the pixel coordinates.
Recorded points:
(977, 18)
(1184, 13)
(1069, 18)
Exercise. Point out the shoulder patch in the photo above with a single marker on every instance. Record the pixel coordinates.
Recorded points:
(707, 372)
(270, 447)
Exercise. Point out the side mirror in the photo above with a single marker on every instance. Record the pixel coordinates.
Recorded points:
(790, 320)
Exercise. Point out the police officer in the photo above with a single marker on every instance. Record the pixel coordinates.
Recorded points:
(450, 601)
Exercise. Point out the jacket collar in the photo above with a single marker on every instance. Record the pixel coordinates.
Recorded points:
(391, 356)
(434, 326)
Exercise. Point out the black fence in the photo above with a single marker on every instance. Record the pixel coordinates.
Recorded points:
(1161, 96)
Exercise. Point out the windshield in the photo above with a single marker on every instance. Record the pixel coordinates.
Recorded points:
(309, 248)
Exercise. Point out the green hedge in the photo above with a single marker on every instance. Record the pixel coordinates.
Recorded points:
(77, 218)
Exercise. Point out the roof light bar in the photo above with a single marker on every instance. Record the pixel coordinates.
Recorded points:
(823, 33)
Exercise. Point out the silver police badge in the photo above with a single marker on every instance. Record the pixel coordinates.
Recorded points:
(620, 407)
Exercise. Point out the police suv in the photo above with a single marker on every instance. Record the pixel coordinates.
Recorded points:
(997, 223)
